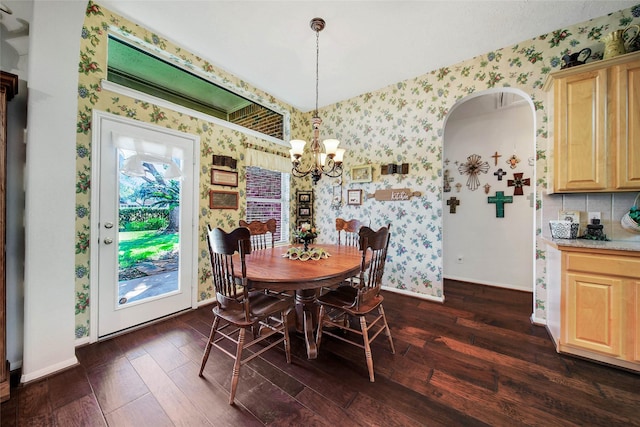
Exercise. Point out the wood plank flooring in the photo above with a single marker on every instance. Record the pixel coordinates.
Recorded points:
(475, 360)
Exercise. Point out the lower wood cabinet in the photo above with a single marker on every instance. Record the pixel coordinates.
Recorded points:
(600, 305)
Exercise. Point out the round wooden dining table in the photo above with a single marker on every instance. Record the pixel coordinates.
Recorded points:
(270, 269)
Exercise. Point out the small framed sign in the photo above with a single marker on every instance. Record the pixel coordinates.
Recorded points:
(224, 177)
(223, 199)
(354, 197)
(361, 173)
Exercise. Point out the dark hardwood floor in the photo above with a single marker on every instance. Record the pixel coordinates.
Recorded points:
(474, 360)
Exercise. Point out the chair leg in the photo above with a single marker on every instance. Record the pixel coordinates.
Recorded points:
(387, 330)
(236, 366)
(367, 347)
(287, 343)
(207, 349)
(320, 322)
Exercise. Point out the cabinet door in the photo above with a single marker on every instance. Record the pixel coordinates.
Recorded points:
(634, 319)
(593, 313)
(579, 120)
(625, 129)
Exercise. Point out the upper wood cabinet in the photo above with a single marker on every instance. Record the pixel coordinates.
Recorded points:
(596, 126)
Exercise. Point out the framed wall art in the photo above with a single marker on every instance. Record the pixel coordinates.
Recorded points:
(361, 173)
(224, 177)
(304, 196)
(304, 211)
(223, 199)
(354, 197)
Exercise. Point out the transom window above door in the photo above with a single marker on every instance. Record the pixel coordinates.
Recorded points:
(135, 68)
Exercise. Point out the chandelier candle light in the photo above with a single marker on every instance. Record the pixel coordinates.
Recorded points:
(330, 162)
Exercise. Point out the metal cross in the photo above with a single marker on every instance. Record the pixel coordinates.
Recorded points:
(500, 173)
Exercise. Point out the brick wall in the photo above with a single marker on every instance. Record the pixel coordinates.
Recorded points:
(264, 184)
(260, 119)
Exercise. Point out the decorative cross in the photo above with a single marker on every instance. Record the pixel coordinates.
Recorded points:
(495, 158)
(500, 173)
(513, 161)
(531, 198)
(487, 187)
(517, 182)
(458, 186)
(446, 162)
(500, 199)
(447, 181)
(452, 203)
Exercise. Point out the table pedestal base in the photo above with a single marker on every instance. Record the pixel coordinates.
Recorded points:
(307, 318)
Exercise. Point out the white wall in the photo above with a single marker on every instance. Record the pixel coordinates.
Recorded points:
(494, 251)
(50, 187)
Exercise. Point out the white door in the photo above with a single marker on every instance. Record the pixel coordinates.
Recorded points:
(144, 194)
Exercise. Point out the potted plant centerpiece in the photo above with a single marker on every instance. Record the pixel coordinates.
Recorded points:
(306, 233)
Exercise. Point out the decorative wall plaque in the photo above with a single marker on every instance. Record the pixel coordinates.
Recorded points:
(394, 194)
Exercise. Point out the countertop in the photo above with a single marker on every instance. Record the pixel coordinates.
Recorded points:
(614, 245)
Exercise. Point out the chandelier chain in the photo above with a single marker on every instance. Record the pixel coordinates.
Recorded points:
(317, 68)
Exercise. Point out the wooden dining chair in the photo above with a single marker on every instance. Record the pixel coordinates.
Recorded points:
(260, 232)
(362, 301)
(348, 231)
(239, 308)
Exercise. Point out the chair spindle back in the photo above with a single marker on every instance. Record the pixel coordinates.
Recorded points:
(350, 231)
(259, 233)
(370, 279)
(222, 246)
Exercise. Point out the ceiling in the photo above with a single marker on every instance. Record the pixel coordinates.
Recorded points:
(365, 46)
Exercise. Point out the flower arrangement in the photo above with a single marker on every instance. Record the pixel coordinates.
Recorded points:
(306, 233)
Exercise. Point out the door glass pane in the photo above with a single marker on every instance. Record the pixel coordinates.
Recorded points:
(148, 234)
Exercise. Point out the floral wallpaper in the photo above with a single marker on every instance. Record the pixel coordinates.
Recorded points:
(214, 139)
(402, 123)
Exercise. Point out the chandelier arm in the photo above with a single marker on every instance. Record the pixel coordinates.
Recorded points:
(299, 173)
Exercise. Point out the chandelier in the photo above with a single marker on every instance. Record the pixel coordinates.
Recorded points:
(328, 162)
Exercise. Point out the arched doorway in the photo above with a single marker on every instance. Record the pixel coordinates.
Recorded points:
(489, 232)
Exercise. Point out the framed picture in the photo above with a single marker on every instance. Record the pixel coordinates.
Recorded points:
(304, 211)
(354, 197)
(361, 173)
(223, 177)
(304, 197)
(223, 199)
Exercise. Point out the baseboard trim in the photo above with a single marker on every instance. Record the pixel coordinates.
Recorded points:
(415, 294)
(60, 366)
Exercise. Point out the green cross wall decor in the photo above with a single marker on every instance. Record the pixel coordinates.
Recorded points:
(500, 199)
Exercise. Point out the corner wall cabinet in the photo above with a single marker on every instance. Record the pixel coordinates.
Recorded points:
(600, 305)
(8, 88)
(596, 126)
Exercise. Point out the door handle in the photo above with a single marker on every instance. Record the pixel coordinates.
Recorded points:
(108, 241)
(108, 225)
